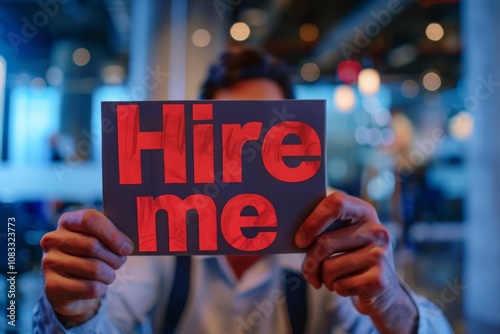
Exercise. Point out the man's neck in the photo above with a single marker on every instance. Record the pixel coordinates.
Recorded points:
(240, 263)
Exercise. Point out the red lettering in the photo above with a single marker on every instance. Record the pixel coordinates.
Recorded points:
(202, 112)
(131, 141)
(176, 209)
(203, 142)
(273, 151)
(234, 136)
(232, 222)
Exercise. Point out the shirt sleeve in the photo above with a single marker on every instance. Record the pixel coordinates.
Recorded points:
(45, 321)
(431, 319)
(346, 319)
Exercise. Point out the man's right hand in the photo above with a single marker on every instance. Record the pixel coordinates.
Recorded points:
(79, 262)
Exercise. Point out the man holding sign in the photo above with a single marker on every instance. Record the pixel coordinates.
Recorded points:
(353, 285)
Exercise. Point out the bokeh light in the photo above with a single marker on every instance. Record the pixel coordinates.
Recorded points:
(310, 72)
(201, 38)
(382, 117)
(381, 186)
(388, 137)
(373, 137)
(348, 71)
(38, 83)
(81, 57)
(23, 79)
(359, 135)
(369, 81)
(461, 126)
(309, 32)
(434, 32)
(431, 81)
(55, 76)
(38, 86)
(410, 89)
(344, 98)
(113, 74)
(240, 31)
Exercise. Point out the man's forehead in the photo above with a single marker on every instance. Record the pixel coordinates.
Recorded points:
(251, 89)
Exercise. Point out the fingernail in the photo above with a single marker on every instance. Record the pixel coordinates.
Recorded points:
(127, 248)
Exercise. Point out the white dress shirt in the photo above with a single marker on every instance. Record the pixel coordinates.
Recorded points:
(220, 303)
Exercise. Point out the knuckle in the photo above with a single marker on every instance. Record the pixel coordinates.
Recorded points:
(324, 241)
(310, 265)
(370, 210)
(337, 200)
(94, 247)
(94, 269)
(378, 254)
(88, 217)
(47, 262)
(63, 219)
(381, 236)
(47, 241)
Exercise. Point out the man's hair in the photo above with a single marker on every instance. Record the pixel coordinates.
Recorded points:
(235, 66)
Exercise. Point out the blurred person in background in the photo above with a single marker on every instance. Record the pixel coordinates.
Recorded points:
(353, 285)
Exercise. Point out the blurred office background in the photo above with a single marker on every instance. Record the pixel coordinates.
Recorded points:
(411, 90)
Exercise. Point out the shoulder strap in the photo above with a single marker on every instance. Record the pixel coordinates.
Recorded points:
(179, 293)
(296, 300)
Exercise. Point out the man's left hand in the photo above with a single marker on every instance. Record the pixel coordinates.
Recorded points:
(354, 260)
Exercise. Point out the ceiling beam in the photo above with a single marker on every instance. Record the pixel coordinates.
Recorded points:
(350, 36)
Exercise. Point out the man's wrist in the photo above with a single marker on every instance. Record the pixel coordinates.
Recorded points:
(400, 317)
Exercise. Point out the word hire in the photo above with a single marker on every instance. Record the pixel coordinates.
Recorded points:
(212, 177)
